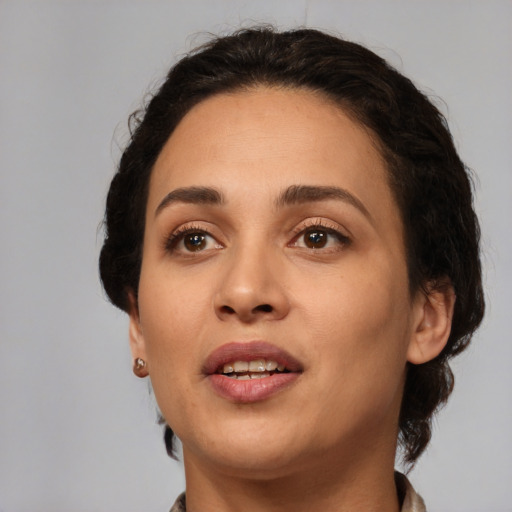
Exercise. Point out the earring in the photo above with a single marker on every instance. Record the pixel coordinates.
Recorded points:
(139, 368)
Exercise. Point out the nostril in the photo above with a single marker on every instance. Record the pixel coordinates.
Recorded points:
(262, 308)
(265, 308)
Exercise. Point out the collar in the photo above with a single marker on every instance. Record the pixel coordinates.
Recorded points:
(412, 501)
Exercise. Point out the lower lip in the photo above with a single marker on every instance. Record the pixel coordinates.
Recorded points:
(254, 390)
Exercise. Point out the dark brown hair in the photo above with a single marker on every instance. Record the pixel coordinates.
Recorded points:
(431, 184)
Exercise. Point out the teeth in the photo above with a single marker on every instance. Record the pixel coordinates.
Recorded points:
(228, 369)
(256, 369)
(270, 366)
(257, 366)
(259, 375)
(240, 366)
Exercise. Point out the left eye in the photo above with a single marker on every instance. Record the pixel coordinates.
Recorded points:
(319, 238)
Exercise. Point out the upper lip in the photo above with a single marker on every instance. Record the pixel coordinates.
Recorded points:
(249, 351)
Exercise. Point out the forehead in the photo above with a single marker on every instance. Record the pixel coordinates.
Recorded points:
(270, 138)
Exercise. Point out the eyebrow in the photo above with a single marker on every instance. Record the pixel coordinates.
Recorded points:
(192, 195)
(299, 194)
(293, 195)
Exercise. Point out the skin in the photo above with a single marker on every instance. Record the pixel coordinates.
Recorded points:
(344, 310)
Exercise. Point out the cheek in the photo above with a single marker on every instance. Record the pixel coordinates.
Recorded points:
(361, 323)
(363, 295)
(172, 314)
(167, 322)
(361, 347)
(171, 303)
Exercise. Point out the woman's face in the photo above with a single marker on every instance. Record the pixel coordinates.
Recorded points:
(272, 239)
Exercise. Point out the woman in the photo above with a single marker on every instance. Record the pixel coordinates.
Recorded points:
(291, 232)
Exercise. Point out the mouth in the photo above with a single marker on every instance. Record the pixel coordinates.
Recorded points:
(247, 372)
(255, 369)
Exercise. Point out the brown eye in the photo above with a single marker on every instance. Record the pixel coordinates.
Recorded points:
(320, 238)
(315, 239)
(194, 242)
(190, 240)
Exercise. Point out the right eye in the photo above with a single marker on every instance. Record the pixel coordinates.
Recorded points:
(191, 240)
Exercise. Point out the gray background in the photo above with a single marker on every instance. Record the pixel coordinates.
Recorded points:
(77, 430)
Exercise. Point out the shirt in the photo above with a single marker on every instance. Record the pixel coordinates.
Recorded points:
(412, 502)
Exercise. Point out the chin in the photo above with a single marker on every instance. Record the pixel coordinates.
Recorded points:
(250, 448)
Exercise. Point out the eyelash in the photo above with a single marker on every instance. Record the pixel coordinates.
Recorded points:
(177, 236)
(320, 225)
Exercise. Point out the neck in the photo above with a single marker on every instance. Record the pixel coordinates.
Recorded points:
(364, 485)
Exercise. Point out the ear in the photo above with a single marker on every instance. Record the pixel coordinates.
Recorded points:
(137, 343)
(433, 313)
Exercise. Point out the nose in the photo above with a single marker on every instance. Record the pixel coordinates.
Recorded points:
(251, 288)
